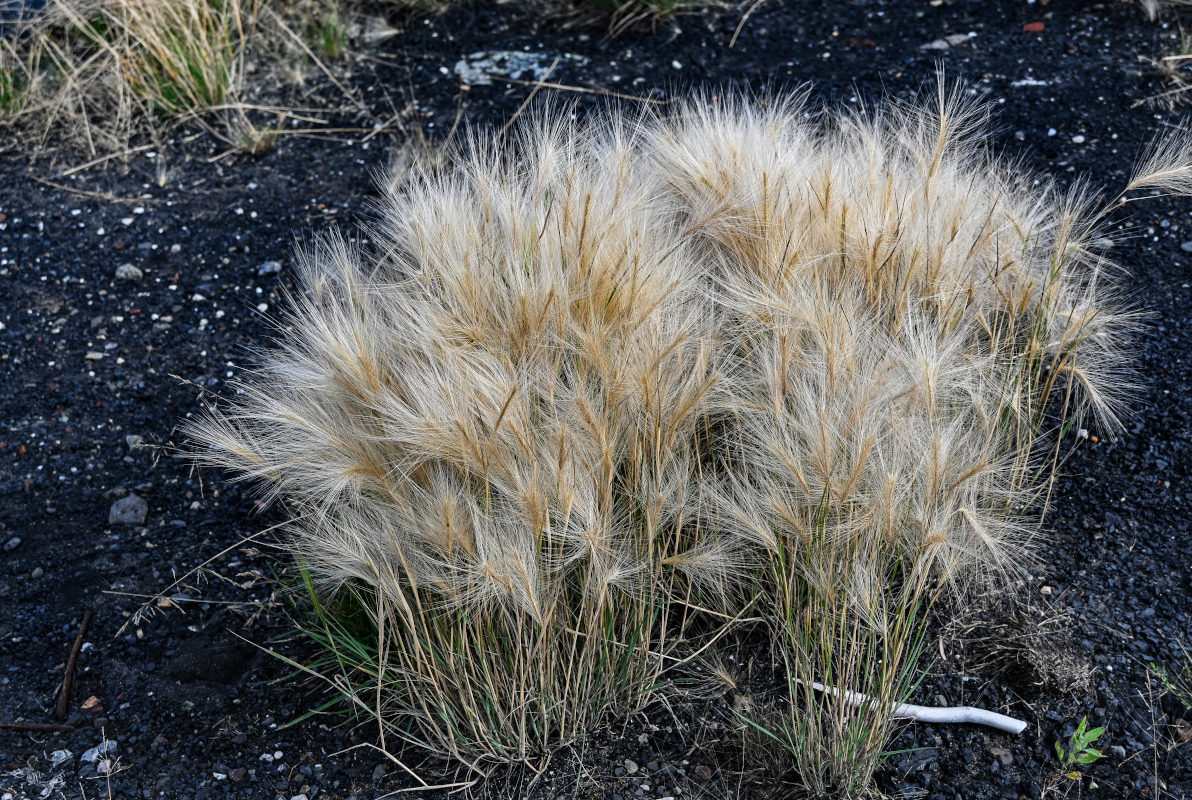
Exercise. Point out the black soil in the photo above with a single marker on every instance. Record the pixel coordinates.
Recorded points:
(96, 373)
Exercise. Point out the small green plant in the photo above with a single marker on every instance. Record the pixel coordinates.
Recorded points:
(12, 93)
(16, 71)
(1080, 752)
(1177, 682)
(327, 33)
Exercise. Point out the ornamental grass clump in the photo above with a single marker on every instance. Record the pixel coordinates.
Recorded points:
(488, 432)
(607, 383)
(909, 327)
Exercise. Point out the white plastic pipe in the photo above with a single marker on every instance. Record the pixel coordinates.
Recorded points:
(950, 714)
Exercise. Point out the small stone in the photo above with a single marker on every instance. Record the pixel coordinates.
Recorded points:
(130, 510)
(37, 573)
(949, 41)
(1146, 614)
(1186, 247)
(1118, 750)
(12, 544)
(238, 775)
(703, 772)
(129, 272)
(269, 268)
(1078, 139)
(1003, 755)
(134, 441)
(94, 356)
(102, 750)
(630, 767)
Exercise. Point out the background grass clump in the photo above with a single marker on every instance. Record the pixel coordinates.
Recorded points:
(94, 74)
(604, 387)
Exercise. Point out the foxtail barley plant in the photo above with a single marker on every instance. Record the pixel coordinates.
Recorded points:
(603, 379)
(489, 436)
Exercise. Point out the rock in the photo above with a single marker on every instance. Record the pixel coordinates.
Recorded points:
(12, 544)
(102, 750)
(269, 268)
(1003, 755)
(129, 272)
(130, 510)
(238, 775)
(1186, 247)
(479, 69)
(949, 41)
(37, 573)
(134, 441)
(630, 767)
(372, 29)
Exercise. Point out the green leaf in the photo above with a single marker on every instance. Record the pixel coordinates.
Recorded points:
(1059, 751)
(1074, 775)
(1087, 757)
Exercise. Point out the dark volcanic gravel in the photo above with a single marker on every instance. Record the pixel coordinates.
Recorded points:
(130, 287)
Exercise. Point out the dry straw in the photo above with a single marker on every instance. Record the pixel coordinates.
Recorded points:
(601, 382)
